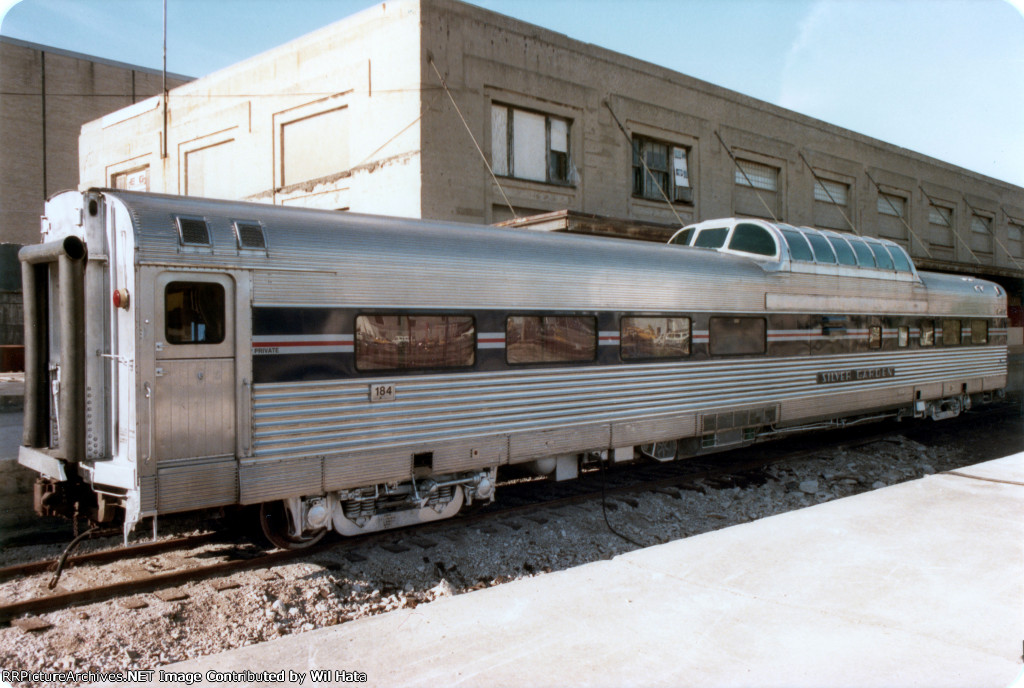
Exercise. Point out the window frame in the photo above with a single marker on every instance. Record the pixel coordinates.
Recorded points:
(876, 335)
(949, 334)
(929, 327)
(223, 319)
(561, 361)
(676, 193)
(712, 350)
(509, 145)
(357, 345)
(639, 359)
(979, 331)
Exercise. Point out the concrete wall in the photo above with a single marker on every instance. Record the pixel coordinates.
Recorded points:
(328, 120)
(48, 95)
(489, 58)
(408, 151)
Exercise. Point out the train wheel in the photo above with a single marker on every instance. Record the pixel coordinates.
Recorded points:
(274, 525)
(660, 451)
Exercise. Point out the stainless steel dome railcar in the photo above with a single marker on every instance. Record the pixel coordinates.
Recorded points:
(357, 373)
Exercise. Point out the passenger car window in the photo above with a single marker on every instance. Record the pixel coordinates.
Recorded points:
(550, 338)
(737, 336)
(927, 333)
(798, 246)
(899, 258)
(865, 258)
(751, 238)
(903, 337)
(875, 337)
(711, 238)
(823, 252)
(683, 237)
(979, 332)
(881, 256)
(402, 342)
(648, 337)
(194, 313)
(950, 332)
(843, 251)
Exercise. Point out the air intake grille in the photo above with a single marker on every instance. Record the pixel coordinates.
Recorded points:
(250, 235)
(193, 231)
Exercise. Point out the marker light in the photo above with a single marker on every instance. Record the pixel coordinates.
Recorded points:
(121, 298)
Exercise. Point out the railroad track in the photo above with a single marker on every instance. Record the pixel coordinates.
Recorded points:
(523, 496)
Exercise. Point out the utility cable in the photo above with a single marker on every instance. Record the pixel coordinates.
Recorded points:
(470, 132)
(604, 510)
(990, 230)
(950, 225)
(897, 213)
(747, 178)
(647, 169)
(828, 193)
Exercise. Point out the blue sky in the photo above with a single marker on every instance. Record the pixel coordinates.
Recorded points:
(941, 77)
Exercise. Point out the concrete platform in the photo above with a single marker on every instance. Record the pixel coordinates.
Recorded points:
(919, 584)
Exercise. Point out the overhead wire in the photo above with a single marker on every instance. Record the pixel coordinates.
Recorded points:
(821, 183)
(990, 231)
(949, 224)
(750, 183)
(471, 136)
(896, 212)
(647, 169)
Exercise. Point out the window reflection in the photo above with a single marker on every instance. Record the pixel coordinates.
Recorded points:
(397, 342)
(550, 338)
(644, 338)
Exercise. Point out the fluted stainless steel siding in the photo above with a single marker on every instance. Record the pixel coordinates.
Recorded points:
(192, 484)
(571, 409)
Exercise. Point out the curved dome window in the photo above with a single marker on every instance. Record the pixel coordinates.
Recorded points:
(751, 238)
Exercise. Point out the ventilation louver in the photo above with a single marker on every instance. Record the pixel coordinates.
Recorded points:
(250, 235)
(193, 231)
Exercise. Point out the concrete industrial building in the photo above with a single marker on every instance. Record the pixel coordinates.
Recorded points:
(48, 94)
(367, 115)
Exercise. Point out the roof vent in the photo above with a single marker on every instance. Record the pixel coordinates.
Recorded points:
(193, 231)
(250, 235)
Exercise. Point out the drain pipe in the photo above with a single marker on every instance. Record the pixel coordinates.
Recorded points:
(69, 254)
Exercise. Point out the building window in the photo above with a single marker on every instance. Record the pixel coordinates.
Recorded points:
(737, 336)
(1014, 234)
(661, 170)
(550, 338)
(136, 179)
(402, 342)
(941, 224)
(981, 233)
(892, 211)
(194, 313)
(530, 145)
(757, 186)
(981, 224)
(831, 200)
(892, 205)
(643, 338)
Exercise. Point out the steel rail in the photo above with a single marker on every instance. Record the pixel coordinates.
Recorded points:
(687, 474)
